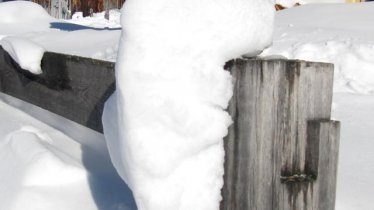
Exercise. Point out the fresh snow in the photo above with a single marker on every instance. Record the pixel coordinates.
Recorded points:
(314, 29)
(356, 157)
(42, 168)
(98, 19)
(80, 37)
(341, 34)
(165, 124)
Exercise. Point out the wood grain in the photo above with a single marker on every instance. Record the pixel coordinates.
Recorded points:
(73, 87)
(272, 103)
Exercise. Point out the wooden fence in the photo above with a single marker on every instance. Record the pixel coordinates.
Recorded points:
(281, 151)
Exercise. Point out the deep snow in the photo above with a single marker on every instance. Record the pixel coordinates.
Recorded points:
(101, 188)
(30, 21)
(62, 167)
(337, 33)
(165, 124)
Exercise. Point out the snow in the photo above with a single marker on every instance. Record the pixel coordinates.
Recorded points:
(30, 21)
(338, 33)
(355, 173)
(25, 52)
(42, 168)
(98, 19)
(311, 32)
(165, 124)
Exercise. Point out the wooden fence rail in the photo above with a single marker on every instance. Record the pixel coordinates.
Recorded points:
(281, 151)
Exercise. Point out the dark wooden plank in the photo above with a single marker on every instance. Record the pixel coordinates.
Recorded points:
(273, 100)
(70, 86)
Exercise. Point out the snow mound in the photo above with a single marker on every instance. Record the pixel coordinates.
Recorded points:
(22, 11)
(171, 96)
(25, 52)
(30, 149)
(345, 39)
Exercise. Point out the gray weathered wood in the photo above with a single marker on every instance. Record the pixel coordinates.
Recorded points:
(273, 100)
(73, 87)
(323, 152)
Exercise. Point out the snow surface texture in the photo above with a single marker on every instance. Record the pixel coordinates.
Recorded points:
(25, 52)
(171, 94)
(336, 33)
(89, 37)
(355, 174)
(42, 168)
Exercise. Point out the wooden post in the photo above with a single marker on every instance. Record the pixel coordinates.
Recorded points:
(273, 155)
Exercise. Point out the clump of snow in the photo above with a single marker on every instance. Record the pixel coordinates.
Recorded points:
(334, 33)
(29, 148)
(98, 19)
(25, 52)
(77, 15)
(166, 122)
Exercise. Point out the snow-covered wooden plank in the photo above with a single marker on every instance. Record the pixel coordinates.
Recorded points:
(73, 87)
(272, 102)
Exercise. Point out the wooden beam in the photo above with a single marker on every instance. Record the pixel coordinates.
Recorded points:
(73, 87)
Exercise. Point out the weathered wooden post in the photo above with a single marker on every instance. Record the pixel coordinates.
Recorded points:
(282, 149)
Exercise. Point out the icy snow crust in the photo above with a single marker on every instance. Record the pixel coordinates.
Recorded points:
(171, 94)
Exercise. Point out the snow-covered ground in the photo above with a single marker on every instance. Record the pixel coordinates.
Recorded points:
(339, 33)
(93, 37)
(61, 167)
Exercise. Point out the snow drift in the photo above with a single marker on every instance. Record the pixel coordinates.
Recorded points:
(166, 122)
